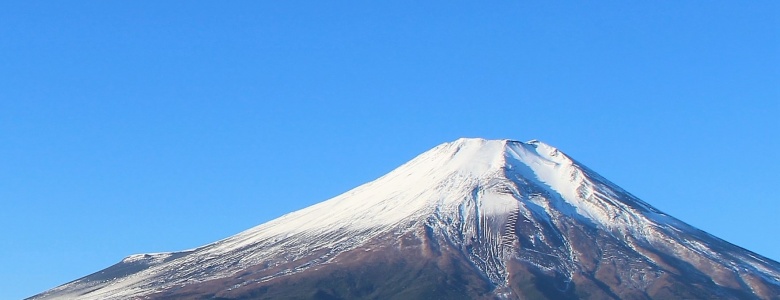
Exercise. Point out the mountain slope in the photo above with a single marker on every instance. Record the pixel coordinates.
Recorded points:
(474, 219)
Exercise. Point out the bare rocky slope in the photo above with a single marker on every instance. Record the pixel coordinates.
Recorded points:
(470, 219)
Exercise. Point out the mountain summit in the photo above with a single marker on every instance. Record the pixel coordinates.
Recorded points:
(471, 219)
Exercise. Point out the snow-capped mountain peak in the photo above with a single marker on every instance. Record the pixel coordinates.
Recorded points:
(506, 218)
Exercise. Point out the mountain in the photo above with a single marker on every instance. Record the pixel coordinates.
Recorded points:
(470, 219)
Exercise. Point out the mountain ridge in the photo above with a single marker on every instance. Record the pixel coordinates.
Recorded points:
(492, 207)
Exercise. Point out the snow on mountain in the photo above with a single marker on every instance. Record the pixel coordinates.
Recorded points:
(498, 203)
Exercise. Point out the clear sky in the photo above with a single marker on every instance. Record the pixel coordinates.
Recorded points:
(149, 126)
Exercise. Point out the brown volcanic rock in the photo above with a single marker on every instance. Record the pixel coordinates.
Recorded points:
(419, 266)
(409, 268)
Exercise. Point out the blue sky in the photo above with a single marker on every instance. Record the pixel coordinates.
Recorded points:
(138, 126)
